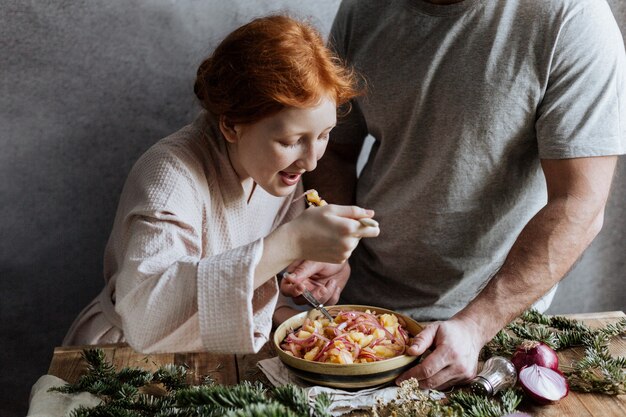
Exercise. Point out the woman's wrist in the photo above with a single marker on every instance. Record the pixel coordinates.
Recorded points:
(289, 237)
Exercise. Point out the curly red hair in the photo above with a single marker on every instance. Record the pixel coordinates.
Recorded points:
(269, 64)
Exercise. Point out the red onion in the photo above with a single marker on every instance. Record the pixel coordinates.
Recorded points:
(544, 385)
(531, 352)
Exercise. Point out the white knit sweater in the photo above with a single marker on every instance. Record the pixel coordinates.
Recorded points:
(180, 261)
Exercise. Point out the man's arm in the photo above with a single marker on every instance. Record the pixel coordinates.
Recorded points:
(543, 253)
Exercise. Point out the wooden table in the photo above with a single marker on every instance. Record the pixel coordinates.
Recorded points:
(232, 369)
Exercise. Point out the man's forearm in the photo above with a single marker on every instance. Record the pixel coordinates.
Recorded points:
(543, 253)
(548, 245)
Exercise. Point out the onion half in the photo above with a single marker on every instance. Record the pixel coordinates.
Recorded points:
(543, 385)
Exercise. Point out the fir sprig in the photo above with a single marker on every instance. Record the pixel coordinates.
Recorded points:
(222, 396)
(122, 396)
(102, 379)
(292, 396)
(537, 332)
(474, 405)
(322, 404)
(171, 376)
(503, 344)
(615, 329)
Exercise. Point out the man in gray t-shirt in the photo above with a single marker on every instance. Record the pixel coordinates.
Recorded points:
(496, 127)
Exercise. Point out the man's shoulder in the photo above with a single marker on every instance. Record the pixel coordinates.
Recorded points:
(562, 9)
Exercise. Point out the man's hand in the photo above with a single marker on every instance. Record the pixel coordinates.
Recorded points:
(456, 345)
(324, 280)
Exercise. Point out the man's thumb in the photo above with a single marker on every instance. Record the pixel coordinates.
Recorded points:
(423, 341)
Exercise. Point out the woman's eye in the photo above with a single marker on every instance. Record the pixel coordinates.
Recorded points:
(288, 145)
(324, 137)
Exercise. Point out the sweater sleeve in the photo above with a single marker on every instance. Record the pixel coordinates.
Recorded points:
(234, 316)
(169, 294)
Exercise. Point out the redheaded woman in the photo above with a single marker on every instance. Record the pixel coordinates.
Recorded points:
(206, 219)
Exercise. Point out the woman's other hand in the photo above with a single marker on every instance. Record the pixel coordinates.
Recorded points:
(324, 280)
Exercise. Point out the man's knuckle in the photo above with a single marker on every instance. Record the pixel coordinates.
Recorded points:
(427, 371)
(452, 355)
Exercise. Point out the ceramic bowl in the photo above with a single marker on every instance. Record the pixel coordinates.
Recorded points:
(351, 376)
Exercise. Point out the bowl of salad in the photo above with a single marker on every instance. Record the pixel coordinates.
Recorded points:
(363, 346)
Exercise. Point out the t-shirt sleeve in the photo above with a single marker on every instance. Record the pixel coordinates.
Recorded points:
(583, 112)
(169, 294)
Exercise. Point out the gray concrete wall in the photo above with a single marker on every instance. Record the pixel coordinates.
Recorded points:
(85, 88)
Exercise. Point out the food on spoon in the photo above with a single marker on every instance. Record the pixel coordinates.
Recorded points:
(352, 337)
(314, 199)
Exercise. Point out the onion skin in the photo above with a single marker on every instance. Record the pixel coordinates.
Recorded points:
(529, 378)
(531, 352)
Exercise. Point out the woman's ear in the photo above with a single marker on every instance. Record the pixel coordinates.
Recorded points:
(228, 130)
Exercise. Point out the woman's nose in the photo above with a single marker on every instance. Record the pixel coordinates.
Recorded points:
(308, 158)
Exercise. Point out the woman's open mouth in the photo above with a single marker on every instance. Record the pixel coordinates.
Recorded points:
(289, 178)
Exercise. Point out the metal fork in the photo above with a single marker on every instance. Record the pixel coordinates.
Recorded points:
(310, 298)
(308, 295)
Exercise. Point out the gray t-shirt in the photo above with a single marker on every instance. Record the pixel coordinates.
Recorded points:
(463, 100)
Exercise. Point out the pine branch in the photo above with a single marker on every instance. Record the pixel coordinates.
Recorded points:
(103, 410)
(97, 363)
(171, 376)
(237, 396)
(475, 405)
(598, 371)
(533, 316)
(503, 344)
(322, 405)
(264, 410)
(537, 332)
(122, 398)
(293, 398)
(570, 338)
(615, 329)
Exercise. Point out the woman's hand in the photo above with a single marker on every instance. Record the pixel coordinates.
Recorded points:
(325, 234)
(324, 280)
(329, 233)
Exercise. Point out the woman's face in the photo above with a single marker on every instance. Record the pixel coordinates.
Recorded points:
(278, 149)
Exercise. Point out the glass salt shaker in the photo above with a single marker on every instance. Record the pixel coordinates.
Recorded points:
(497, 374)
